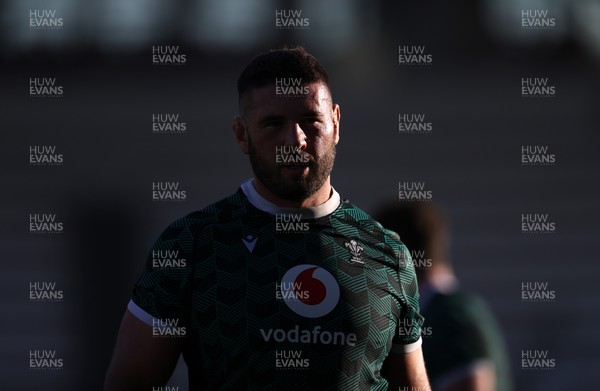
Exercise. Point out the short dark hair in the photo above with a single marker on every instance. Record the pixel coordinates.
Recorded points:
(286, 62)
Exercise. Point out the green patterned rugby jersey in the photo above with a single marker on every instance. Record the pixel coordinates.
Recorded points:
(272, 298)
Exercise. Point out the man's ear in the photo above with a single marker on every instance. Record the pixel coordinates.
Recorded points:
(336, 122)
(241, 133)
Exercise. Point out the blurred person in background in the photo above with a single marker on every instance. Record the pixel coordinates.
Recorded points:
(462, 345)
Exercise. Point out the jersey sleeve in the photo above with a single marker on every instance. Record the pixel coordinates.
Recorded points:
(407, 337)
(163, 289)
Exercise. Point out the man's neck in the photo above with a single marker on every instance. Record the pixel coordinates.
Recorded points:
(319, 197)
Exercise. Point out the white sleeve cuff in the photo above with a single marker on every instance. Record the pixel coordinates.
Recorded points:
(411, 347)
(139, 313)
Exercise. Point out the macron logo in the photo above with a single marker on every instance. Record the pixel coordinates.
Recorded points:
(250, 242)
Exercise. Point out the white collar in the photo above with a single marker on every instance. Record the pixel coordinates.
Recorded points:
(313, 212)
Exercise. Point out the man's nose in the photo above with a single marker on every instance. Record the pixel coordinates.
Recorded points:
(295, 135)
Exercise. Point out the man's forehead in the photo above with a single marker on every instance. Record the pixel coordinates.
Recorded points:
(266, 98)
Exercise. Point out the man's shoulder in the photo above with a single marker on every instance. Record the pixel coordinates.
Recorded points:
(222, 211)
(353, 215)
(373, 237)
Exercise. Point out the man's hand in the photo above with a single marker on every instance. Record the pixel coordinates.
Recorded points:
(141, 361)
(406, 370)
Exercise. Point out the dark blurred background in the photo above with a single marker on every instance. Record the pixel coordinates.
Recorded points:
(471, 161)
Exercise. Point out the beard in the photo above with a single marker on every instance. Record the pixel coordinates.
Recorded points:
(294, 188)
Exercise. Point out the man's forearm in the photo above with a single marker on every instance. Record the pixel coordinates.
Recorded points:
(406, 370)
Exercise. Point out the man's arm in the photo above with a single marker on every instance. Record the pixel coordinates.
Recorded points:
(141, 361)
(479, 377)
(406, 370)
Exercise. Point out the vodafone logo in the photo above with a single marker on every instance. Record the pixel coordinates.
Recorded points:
(309, 291)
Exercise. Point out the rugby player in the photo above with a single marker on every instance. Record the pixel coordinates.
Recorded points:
(284, 285)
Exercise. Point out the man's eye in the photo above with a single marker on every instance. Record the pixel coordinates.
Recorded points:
(272, 124)
(309, 121)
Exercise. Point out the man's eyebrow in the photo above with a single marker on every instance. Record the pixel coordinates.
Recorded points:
(311, 113)
(269, 117)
